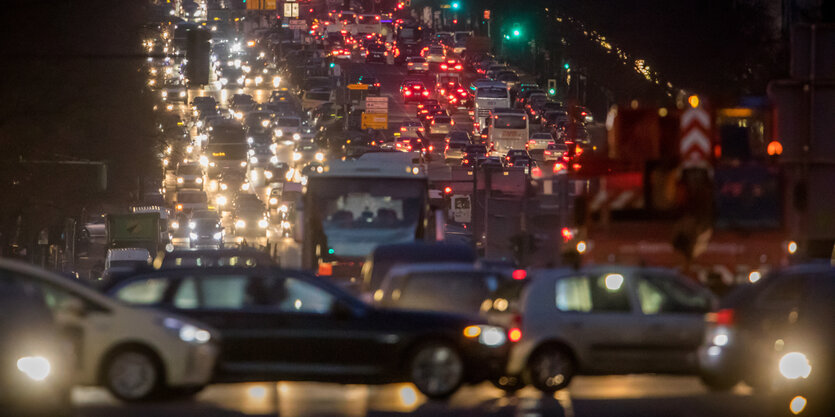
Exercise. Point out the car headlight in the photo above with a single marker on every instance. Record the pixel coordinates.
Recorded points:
(175, 225)
(274, 161)
(263, 223)
(273, 201)
(240, 224)
(243, 164)
(204, 161)
(253, 160)
(245, 186)
(296, 136)
(276, 81)
(795, 365)
(487, 335)
(223, 186)
(192, 236)
(273, 147)
(259, 79)
(165, 93)
(283, 208)
(268, 174)
(182, 93)
(192, 225)
(279, 132)
(320, 156)
(35, 367)
(241, 80)
(187, 332)
(218, 236)
(199, 123)
(180, 180)
(199, 180)
(297, 156)
(265, 123)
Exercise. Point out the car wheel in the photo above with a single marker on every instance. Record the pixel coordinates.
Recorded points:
(436, 369)
(508, 384)
(718, 382)
(550, 369)
(132, 375)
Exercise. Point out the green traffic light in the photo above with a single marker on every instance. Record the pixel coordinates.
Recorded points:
(332, 65)
(456, 5)
(516, 33)
(566, 66)
(552, 91)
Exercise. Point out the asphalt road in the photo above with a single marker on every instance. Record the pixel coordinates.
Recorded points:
(610, 396)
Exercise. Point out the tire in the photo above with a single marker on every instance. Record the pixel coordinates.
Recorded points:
(550, 369)
(133, 375)
(718, 382)
(436, 369)
(508, 384)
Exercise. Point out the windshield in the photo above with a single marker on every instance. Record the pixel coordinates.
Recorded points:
(284, 122)
(191, 198)
(492, 92)
(320, 96)
(189, 170)
(510, 121)
(358, 214)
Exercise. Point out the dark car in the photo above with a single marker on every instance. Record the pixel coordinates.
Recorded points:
(243, 257)
(34, 361)
(287, 325)
(384, 257)
(414, 91)
(205, 233)
(776, 333)
(377, 52)
(372, 82)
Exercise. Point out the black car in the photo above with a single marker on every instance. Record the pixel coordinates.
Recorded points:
(777, 334)
(34, 363)
(288, 325)
(372, 82)
(205, 233)
(377, 53)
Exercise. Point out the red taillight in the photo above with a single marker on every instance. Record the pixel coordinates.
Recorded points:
(576, 167)
(376, 84)
(514, 334)
(403, 129)
(458, 67)
(567, 234)
(547, 152)
(416, 87)
(408, 92)
(431, 148)
(426, 93)
(420, 129)
(559, 167)
(443, 66)
(520, 274)
(723, 317)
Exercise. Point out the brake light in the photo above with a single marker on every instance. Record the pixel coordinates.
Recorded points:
(723, 317)
(559, 166)
(376, 84)
(416, 87)
(547, 152)
(431, 148)
(421, 129)
(458, 67)
(426, 93)
(179, 207)
(520, 274)
(514, 334)
(576, 167)
(403, 129)
(408, 92)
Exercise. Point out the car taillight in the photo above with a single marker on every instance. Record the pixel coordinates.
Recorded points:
(402, 129)
(723, 317)
(408, 92)
(426, 93)
(558, 167)
(179, 207)
(514, 333)
(547, 152)
(458, 67)
(431, 148)
(420, 129)
(520, 274)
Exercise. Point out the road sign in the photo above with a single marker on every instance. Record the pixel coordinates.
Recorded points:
(357, 86)
(375, 121)
(695, 138)
(377, 105)
(297, 23)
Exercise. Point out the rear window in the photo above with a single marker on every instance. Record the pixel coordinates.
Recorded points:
(492, 92)
(284, 122)
(417, 60)
(189, 170)
(443, 119)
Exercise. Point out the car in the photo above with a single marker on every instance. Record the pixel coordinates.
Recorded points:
(454, 151)
(572, 132)
(533, 106)
(493, 162)
(292, 320)
(120, 260)
(377, 52)
(411, 144)
(451, 65)
(493, 70)
(460, 288)
(508, 77)
(441, 125)
(288, 128)
(514, 154)
(425, 106)
(555, 152)
(317, 96)
(189, 175)
(137, 354)
(373, 84)
(412, 128)
(458, 136)
(414, 91)
(602, 320)
(186, 201)
(205, 233)
(174, 91)
(766, 333)
(416, 65)
(36, 361)
(552, 118)
(203, 104)
(435, 54)
(260, 156)
(385, 257)
(250, 221)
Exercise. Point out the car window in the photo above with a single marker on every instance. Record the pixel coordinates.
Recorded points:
(666, 293)
(452, 292)
(144, 292)
(595, 294)
(186, 296)
(228, 291)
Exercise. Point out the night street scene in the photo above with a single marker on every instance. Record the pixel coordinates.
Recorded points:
(428, 208)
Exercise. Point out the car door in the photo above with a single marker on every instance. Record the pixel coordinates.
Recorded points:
(672, 325)
(597, 316)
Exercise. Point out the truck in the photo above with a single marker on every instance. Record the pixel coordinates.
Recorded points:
(134, 230)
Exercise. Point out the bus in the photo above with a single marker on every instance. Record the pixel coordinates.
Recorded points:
(508, 129)
(488, 96)
(226, 148)
(353, 206)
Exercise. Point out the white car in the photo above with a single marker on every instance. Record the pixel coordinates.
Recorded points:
(435, 54)
(135, 353)
(540, 140)
(554, 151)
(416, 64)
(187, 201)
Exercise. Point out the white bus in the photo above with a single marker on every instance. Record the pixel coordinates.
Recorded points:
(508, 129)
(488, 96)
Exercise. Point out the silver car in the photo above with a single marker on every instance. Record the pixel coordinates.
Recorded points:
(602, 320)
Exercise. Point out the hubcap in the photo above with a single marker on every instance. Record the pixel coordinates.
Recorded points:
(437, 369)
(132, 375)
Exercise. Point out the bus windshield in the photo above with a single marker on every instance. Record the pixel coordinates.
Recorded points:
(358, 214)
(492, 92)
(510, 121)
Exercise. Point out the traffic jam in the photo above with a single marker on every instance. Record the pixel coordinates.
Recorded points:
(363, 199)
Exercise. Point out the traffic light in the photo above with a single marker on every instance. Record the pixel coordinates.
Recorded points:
(552, 87)
(456, 5)
(566, 66)
(487, 14)
(198, 53)
(517, 33)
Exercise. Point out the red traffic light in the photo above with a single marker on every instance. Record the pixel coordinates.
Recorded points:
(447, 190)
